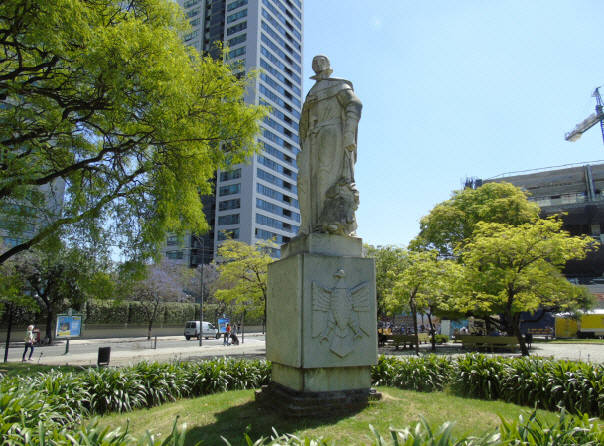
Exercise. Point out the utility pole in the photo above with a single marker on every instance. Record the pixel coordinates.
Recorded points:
(590, 121)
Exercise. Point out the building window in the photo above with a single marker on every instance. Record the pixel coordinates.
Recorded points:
(275, 125)
(276, 181)
(230, 175)
(277, 100)
(230, 189)
(193, 12)
(282, 30)
(229, 204)
(280, 53)
(267, 191)
(190, 3)
(191, 35)
(236, 4)
(195, 22)
(237, 40)
(279, 155)
(174, 254)
(267, 235)
(237, 52)
(172, 240)
(277, 210)
(284, 45)
(229, 234)
(280, 76)
(232, 219)
(282, 19)
(236, 28)
(268, 221)
(236, 16)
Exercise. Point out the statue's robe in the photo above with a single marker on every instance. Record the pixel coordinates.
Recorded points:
(325, 166)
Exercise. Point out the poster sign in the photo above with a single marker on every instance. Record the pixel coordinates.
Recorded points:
(222, 325)
(68, 326)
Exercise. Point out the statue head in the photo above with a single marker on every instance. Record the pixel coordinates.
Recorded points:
(320, 65)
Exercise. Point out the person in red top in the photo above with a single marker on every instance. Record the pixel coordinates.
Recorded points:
(227, 334)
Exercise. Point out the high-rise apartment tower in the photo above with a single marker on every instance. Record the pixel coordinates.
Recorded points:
(258, 200)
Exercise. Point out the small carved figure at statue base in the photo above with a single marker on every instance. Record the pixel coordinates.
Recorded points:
(341, 201)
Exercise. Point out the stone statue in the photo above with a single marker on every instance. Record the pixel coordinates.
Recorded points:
(328, 133)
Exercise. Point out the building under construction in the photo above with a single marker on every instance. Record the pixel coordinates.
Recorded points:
(576, 192)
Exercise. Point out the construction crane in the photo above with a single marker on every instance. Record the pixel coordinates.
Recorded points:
(590, 121)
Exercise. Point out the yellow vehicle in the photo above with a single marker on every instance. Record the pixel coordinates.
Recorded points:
(591, 325)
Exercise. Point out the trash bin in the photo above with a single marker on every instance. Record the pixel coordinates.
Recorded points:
(103, 356)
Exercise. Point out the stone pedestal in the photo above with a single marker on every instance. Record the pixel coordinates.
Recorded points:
(321, 324)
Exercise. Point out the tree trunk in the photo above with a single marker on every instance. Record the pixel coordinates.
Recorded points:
(523, 347)
(264, 320)
(49, 320)
(9, 328)
(432, 332)
(414, 312)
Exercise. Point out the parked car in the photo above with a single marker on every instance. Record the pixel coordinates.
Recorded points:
(192, 330)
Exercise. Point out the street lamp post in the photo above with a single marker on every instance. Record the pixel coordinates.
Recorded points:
(201, 306)
(201, 294)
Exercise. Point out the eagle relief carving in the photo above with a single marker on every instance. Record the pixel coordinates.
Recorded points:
(340, 315)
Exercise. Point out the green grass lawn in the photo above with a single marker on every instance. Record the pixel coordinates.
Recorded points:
(230, 414)
(27, 368)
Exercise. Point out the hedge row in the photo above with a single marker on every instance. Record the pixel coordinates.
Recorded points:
(577, 387)
(48, 406)
(62, 400)
(109, 312)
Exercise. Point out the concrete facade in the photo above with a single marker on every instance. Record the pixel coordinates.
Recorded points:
(578, 192)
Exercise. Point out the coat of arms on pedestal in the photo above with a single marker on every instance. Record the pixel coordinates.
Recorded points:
(340, 314)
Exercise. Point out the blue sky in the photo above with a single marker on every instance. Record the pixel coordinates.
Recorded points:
(457, 88)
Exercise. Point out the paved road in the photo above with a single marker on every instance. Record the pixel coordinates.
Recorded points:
(126, 351)
(131, 350)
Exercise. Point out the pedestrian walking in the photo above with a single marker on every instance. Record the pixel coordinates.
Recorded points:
(227, 334)
(29, 343)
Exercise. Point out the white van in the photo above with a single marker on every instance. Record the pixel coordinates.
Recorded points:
(192, 330)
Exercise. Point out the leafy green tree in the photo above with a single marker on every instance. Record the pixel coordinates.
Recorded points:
(105, 97)
(453, 221)
(162, 282)
(421, 284)
(510, 269)
(62, 278)
(387, 259)
(13, 295)
(243, 273)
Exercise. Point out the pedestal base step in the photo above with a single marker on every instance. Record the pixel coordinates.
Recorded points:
(309, 404)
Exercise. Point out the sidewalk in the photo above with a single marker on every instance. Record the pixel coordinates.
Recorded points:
(127, 351)
(138, 339)
(77, 341)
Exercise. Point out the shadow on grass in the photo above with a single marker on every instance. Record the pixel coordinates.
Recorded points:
(255, 420)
